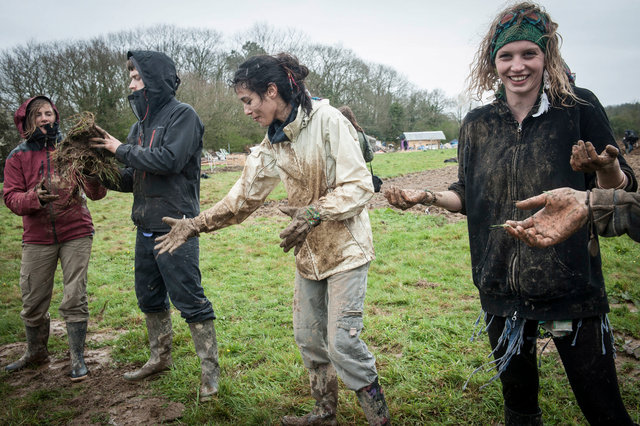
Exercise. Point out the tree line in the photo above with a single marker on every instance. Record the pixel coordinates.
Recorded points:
(90, 75)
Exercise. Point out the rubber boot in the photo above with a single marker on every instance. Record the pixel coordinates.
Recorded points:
(204, 340)
(77, 333)
(36, 353)
(513, 418)
(160, 337)
(324, 389)
(373, 404)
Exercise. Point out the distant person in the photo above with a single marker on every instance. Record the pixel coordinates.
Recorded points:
(531, 139)
(57, 226)
(629, 139)
(311, 148)
(162, 169)
(365, 146)
(565, 210)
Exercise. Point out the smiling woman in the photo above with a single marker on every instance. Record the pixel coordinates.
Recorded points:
(532, 139)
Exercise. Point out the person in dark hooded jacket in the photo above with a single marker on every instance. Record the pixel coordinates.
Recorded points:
(57, 225)
(162, 169)
(540, 133)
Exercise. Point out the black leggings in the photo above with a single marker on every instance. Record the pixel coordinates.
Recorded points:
(591, 374)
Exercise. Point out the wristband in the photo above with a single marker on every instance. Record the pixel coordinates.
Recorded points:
(433, 197)
(312, 216)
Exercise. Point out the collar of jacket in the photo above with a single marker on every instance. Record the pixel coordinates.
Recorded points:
(504, 111)
(293, 129)
(43, 140)
(276, 129)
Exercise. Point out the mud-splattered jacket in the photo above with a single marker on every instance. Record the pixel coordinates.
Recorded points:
(321, 165)
(64, 219)
(616, 212)
(162, 153)
(501, 162)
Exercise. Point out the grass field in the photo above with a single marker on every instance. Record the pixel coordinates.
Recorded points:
(419, 313)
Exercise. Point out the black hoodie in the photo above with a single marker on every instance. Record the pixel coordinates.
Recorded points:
(162, 153)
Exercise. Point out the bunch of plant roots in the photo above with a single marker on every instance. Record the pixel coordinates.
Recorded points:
(76, 160)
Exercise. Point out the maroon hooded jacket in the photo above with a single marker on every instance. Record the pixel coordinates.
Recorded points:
(64, 219)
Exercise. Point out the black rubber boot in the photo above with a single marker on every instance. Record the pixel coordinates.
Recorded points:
(373, 404)
(204, 340)
(36, 353)
(77, 333)
(513, 418)
(160, 338)
(324, 389)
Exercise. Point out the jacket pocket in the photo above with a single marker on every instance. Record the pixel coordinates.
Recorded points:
(543, 275)
(490, 271)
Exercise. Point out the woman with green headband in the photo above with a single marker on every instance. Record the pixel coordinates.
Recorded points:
(539, 133)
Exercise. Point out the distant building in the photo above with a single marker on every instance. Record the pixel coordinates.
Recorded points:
(424, 140)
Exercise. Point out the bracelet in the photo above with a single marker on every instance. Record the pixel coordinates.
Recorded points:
(433, 197)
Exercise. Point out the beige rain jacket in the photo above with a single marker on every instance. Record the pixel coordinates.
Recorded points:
(323, 166)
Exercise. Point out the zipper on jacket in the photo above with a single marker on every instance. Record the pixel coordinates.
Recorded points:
(512, 277)
(50, 203)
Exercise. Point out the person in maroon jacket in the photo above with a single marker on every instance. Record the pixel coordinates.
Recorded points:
(57, 225)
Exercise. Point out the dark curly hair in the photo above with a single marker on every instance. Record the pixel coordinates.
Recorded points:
(283, 70)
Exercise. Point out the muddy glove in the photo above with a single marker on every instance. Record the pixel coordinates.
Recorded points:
(44, 196)
(181, 231)
(304, 220)
(564, 212)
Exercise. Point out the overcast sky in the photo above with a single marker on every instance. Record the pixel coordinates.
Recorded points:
(431, 42)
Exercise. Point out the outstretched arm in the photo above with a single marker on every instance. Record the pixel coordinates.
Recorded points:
(407, 198)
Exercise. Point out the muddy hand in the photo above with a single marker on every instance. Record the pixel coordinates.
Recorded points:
(43, 193)
(404, 198)
(107, 142)
(304, 219)
(564, 212)
(584, 157)
(181, 231)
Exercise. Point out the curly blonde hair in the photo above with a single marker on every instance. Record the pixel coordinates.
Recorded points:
(484, 76)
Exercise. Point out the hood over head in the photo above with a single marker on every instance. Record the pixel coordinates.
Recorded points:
(20, 117)
(160, 80)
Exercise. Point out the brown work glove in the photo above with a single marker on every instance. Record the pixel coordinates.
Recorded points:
(181, 231)
(44, 196)
(565, 211)
(304, 220)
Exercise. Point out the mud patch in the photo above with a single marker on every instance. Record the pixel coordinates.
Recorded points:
(103, 398)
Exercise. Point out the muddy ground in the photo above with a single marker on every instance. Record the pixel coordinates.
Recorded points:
(106, 398)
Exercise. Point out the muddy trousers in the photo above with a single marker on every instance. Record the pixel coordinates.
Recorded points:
(176, 276)
(37, 270)
(327, 322)
(591, 374)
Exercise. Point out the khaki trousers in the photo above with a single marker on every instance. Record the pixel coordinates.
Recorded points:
(327, 322)
(39, 262)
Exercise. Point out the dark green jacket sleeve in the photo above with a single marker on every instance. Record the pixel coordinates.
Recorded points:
(616, 212)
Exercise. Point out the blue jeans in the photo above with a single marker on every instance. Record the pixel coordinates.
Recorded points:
(176, 276)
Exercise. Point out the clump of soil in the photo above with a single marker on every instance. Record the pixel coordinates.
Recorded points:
(75, 159)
